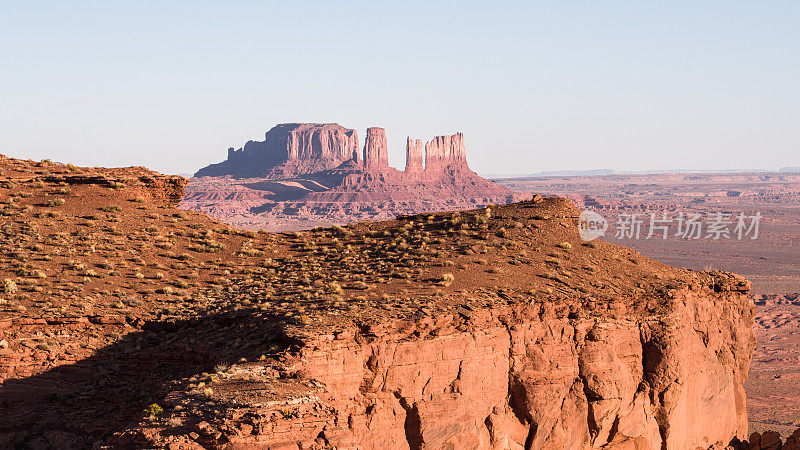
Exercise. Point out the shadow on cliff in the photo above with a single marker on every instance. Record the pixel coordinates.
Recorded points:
(79, 404)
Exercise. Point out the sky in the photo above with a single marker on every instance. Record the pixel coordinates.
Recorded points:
(534, 86)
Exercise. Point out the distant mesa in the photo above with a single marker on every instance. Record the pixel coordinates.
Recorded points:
(304, 175)
(295, 149)
(289, 149)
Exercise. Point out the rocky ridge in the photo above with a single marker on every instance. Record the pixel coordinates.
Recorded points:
(129, 323)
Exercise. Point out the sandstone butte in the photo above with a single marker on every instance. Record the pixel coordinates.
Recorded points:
(307, 175)
(128, 323)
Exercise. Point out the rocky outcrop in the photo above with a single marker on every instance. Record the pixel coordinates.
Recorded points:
(671, 381)
(414, 157)
(771, 440)
(289, 150)
(376, 156)
(445, 152)
(526, 378)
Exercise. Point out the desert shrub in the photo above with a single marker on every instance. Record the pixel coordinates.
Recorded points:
(447, 279)
(9, 287)
(335, 287)
(153, 410)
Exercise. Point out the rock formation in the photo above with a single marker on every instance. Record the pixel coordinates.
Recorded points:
(376, 156)
(289, 150)
(445, 152)
(293, 196)
(414, 157)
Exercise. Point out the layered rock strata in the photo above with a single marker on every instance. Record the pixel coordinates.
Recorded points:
(657, 364)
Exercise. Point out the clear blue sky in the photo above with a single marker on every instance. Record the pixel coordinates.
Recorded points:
(534, 86)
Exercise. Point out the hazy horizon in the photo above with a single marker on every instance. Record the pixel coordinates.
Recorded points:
(533, 86)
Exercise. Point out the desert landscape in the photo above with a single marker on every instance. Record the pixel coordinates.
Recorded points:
(409, 225)
(131, 321)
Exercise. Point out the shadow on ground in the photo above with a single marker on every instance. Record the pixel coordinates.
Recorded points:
(81, 404)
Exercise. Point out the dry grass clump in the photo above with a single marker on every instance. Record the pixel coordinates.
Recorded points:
(10, 287)
(53, 203)
(447, 279)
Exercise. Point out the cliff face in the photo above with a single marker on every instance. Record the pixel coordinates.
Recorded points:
(289, 150)
(492, 328)
(293, 149)
(530, 379)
